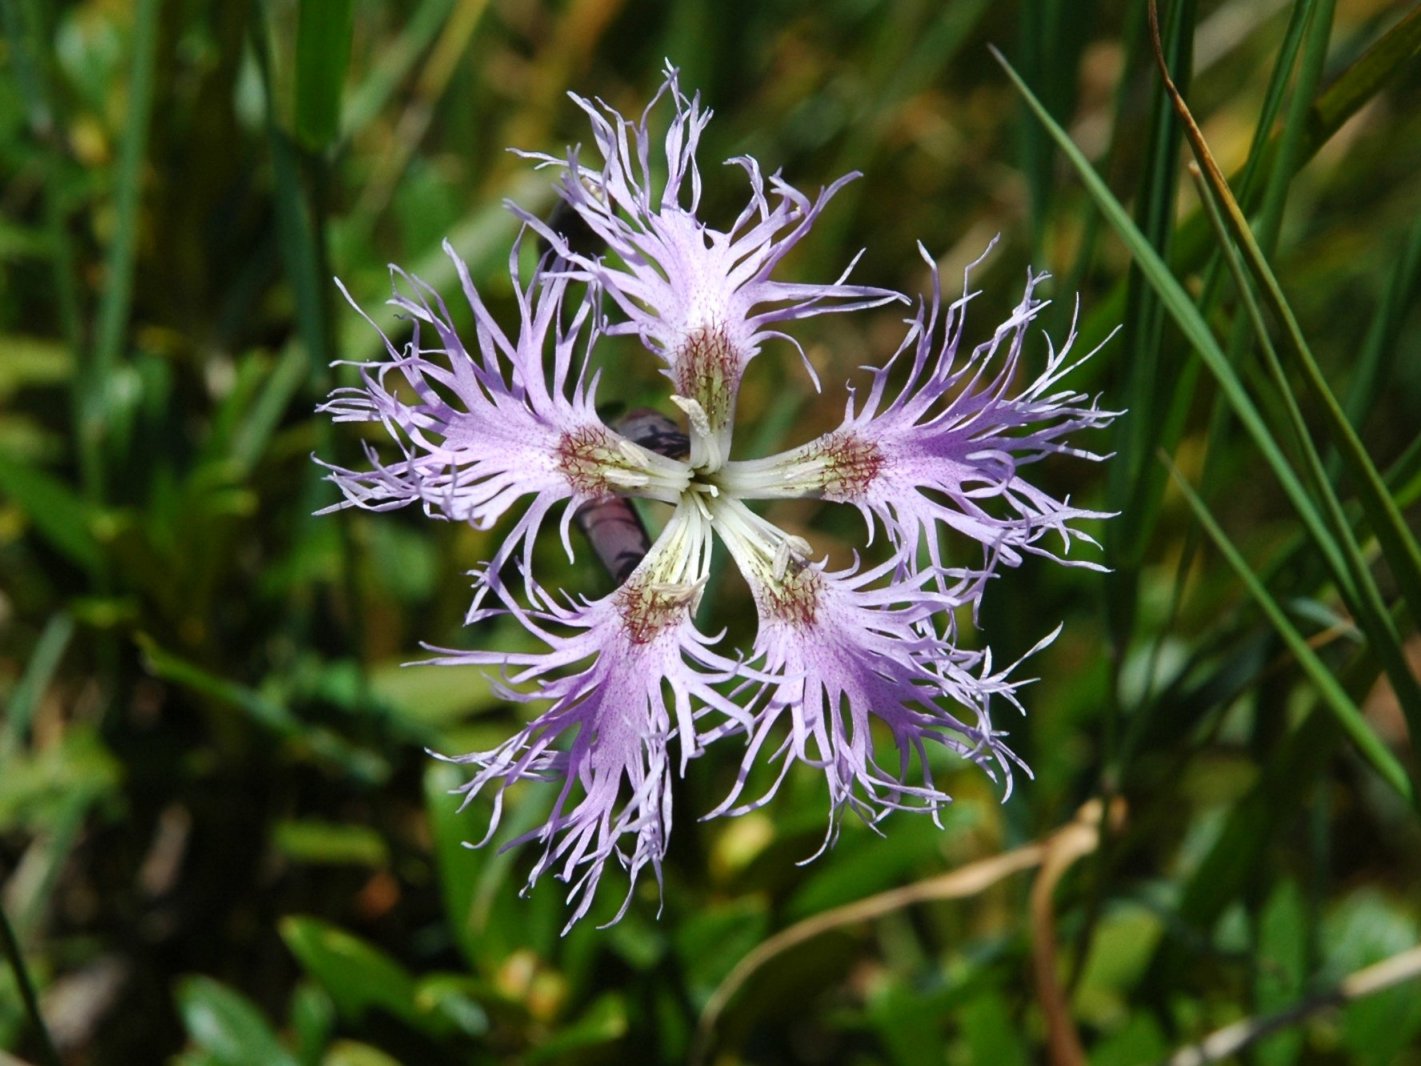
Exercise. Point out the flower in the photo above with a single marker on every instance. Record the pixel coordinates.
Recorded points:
(952, 443)
(486, 429)
(702, 299)
(611, 709)
(632, 689)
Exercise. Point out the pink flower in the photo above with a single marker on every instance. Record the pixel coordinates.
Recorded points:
(631, 690)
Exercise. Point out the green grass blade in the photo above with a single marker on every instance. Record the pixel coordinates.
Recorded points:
(283, 383)
(48, 1055)
(294, 236)
(1361, 81)
(63, 517)
(1380, 348)
(1348, 714)
(323, 32)
(20, 707)
(1152, 393)
(1330, 110)
(25, 29)
(394, 64)
(322, 743)
(1400, 547)
(118, 265)
(1181, 308)
(1371, 611)
(1291, 138)
(1273, 99)
(1051, 42)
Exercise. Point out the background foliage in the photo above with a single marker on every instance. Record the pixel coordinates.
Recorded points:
(221, 839)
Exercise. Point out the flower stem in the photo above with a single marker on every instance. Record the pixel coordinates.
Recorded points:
(48, 1054)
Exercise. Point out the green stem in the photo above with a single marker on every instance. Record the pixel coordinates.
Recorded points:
(48, 1054)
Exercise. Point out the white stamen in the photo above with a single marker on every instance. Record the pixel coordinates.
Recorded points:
(701, 432)
(781, 564)
(627, 479)
(631, 452)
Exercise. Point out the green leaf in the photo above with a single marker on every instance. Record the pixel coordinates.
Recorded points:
(59, 514)
(228, 1026)
(323, 34)
(357, 975)
(362, 764)
(602, 1023)
(39, 671)
(1120, 950)
(710, 942)
(330, 843)
(1139, 1040)
(464, 911)
(354, 1053)
(32, 362)
(1354, 87)
(37, 790)
(991, 1033)
(1284, 937)
(453, 996)
(1364, 929)
(313, 1018)
(911, 1023)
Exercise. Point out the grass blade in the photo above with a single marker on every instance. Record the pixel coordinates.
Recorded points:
(48, 1054)
(1400, 547)
(1379, 349)
(323, 32)
(38, 672)
(1191, 322)
(118, 266)
(1371, 611)
(1152, 386)
(1348, 714)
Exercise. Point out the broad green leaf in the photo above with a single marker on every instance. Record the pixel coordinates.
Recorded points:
(1365, 928)
(458, 867)
(911, 1025)
(1120, 949)
(313, 1019)
(30, 362)
(358, 976)
(1138, 1040)
(227, 1026)
(38, 788)
(991, 1032)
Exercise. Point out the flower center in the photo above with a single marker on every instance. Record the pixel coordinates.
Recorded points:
(599, 463)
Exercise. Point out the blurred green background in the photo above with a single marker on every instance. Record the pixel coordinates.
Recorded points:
(221, 838)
